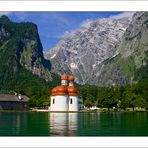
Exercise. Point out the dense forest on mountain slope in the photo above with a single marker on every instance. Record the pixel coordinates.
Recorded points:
(22, 66)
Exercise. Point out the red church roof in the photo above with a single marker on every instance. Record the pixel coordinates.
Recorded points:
(59, 90)
(63, 89)
(72, 91)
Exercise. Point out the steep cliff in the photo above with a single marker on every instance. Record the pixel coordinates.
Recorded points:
(21, 54)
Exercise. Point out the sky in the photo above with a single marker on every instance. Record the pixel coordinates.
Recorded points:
(52, 26)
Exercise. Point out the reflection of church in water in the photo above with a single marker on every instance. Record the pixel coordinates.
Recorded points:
(63, 124)
(65, 96)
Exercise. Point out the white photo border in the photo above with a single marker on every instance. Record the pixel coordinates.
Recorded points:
(114, 142)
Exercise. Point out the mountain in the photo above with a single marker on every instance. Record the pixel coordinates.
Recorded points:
(21, 44)
(105, 52)
(130, 64)
(22, 65)
(84, 51)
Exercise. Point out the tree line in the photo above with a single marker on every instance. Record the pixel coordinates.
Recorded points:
(129, 96)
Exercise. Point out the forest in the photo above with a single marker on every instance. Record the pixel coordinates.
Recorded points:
(120, 97)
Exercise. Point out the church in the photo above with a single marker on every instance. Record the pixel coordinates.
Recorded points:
(65, 96)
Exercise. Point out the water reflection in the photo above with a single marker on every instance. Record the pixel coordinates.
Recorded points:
(18, 124)
(11, 123)
(23, 124)
(63, 124)
(73, 124)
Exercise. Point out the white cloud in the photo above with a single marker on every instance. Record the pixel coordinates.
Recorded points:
(86, 23)
(122, 15)
(67, 33)
(5, 13)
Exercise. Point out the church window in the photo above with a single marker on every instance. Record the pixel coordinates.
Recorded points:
(53, 101)
(70, 101)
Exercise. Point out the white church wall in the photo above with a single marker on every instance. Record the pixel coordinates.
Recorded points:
(73, 103)
(59, 103)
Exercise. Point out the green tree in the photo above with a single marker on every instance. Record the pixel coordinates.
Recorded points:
(108, 99)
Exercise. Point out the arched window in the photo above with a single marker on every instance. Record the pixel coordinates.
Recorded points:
(53, 101)
(70, 101)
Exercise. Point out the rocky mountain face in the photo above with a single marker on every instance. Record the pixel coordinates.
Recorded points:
(20, 46)
(130, 65)
(84, 51)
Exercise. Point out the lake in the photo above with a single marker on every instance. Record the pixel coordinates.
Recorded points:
(74, 124)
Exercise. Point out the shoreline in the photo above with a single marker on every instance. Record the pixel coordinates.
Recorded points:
(82, 111)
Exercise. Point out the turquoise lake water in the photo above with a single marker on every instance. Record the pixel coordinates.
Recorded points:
(74, 124)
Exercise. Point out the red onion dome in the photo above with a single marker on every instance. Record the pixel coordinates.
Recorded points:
(53, 91)
(72, 91)
(64, 77)
(71, 78)
(61, 90)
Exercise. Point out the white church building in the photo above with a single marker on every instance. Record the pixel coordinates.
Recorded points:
(65, 96)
